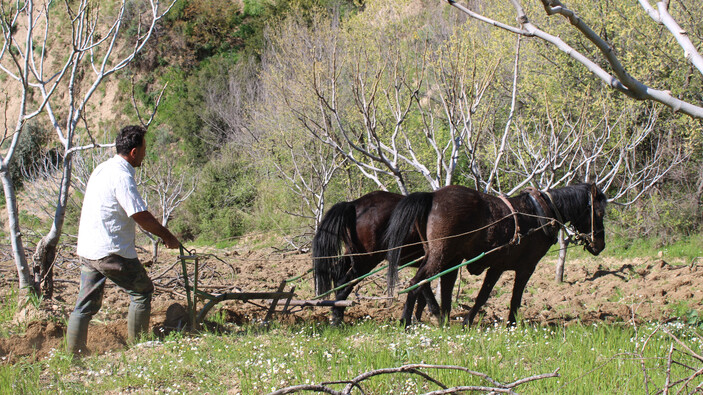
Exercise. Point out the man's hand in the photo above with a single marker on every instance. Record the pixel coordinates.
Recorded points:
(147, 221)
(170, 241)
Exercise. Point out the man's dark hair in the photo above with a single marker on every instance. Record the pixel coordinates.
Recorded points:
(129, 137)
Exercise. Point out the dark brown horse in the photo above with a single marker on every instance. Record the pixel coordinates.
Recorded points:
(515, 233)
(360, 225)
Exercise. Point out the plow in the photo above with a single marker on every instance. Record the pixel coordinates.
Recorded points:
(279, 301)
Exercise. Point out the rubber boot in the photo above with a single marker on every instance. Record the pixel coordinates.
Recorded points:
(77, 334)
(137, 320)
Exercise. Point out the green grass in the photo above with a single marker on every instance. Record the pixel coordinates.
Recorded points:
(687, 248)
(590, 359)
(7, 311)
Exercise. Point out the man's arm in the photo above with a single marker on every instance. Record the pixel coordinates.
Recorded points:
(147, 222)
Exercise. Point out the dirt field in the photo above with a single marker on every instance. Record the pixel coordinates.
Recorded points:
(596, 289)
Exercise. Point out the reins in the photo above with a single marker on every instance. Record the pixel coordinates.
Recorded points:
(474, 259)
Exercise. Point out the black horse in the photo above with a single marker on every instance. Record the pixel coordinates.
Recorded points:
(360, 225)
(461, 223)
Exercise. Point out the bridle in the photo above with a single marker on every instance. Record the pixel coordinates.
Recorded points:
(589, 239)
(572, 237)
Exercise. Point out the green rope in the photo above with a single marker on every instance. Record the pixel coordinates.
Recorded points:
(356, 280)
(290, 280)
(427, 280)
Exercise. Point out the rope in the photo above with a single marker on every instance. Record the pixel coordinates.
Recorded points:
(358, 279)
(394, 248)
(296, 278)
(472, 260)
(513, 214)
(459, 266)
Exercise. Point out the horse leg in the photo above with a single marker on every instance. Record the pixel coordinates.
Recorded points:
(420, 306)
(426, 298)
(492, 276)
(343, 294)
(410, 301)
(521, 278)
(447, 281)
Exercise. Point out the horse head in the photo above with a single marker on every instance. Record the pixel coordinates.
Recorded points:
(590, 223)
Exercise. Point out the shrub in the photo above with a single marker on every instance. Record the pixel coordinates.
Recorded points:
(222, 198)
(30, 153)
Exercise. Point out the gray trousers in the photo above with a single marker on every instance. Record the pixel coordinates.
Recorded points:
(128, 274)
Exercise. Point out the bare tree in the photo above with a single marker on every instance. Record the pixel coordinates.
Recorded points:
(424, 106)
(166, 189)
(228, 103)
(361, 99)
(17, 62)
(410, 109)
(308, 171)
(97, 49)
(625, 157)
(618, 77)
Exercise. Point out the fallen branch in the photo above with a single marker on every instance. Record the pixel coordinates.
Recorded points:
(493, 387)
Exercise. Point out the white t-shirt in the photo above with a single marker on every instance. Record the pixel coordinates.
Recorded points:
(111, 198)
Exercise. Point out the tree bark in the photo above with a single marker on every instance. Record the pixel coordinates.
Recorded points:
(45, 253)
(25, 278)
(559, 275)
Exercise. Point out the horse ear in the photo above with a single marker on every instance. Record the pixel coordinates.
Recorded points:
(596, 194)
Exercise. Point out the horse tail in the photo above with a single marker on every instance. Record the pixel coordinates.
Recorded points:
(336, 226)
(410, 212)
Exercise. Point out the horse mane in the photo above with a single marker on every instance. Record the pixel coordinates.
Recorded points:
(571, 200)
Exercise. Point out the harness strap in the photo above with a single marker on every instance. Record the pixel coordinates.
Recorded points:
(516, 236)
(542, 209)
(554, 208)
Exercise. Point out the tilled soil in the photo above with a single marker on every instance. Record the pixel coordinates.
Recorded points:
(596, 289)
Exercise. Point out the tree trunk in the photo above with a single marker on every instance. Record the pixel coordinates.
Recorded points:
(154, 250)
(699, 194)
(23, 273)
(46, 249)
(43, 259)
(559, 275)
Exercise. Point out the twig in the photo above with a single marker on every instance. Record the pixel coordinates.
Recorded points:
(307, 387)
(668, 370)
(693, 354)
(494, 387)
(693, 376)
(165, 271)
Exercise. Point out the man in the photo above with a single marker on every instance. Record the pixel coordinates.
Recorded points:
(111, 208)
